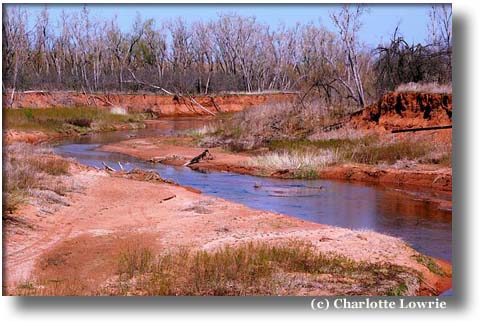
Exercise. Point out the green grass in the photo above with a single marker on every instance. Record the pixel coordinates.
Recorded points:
(388, 153)
(398, 290)
(430, 264)
(75, 119)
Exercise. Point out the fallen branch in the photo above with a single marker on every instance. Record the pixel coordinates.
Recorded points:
(168, 198)
(107, 167)
(201, 106)
(205, 155)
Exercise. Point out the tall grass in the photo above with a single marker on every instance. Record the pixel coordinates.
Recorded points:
(388, 152)
(306, 157)
(64, 119)
(305, 163)
(255, 269)
(28, 167)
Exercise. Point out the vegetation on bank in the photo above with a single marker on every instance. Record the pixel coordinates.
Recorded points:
(72, 120)
(33, 172)
(291, 136)
(294, 268)
(430, 264)
(306, 158)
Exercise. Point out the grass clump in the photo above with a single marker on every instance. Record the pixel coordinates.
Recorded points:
(295, 268)
(66, 120)
(28, 168)
(304, 163)
(430, 264)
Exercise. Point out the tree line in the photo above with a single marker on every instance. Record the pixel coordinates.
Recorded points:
(230, 53)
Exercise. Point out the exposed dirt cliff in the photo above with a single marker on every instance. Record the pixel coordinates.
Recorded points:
(406, 110)
(159, 105)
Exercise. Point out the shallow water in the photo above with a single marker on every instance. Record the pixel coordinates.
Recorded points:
(357, 206)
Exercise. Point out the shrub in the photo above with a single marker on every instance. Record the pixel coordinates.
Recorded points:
(260, 125)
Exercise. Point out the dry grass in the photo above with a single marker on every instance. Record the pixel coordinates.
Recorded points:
(291, 268)
(32, 171)
(257, 126)
(425, 87)
(305, 163)
(295, 268)
(343, 133)
(384, 152)
(305, 158)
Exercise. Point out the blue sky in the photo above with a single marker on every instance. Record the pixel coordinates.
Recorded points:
(379, 22)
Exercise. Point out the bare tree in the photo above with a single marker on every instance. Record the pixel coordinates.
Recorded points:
(15, 46)
(229, 53)
(348, 23)
(440, 26)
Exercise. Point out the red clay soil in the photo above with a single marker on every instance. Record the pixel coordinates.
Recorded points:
(178, 150)
(426, 176)
(80, 243)
(31, 137)
(159, 105)
(406, 110)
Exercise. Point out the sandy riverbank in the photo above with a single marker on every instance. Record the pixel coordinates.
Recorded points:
(108, 212)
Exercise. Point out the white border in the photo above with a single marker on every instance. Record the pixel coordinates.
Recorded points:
(14, 311)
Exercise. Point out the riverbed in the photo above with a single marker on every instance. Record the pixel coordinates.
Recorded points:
(410, 215)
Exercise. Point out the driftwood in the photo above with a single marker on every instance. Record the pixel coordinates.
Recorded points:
(422, 129)
(168, 198)
(107, 167)
(206, 155)
(162, 159)
(120, 165)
